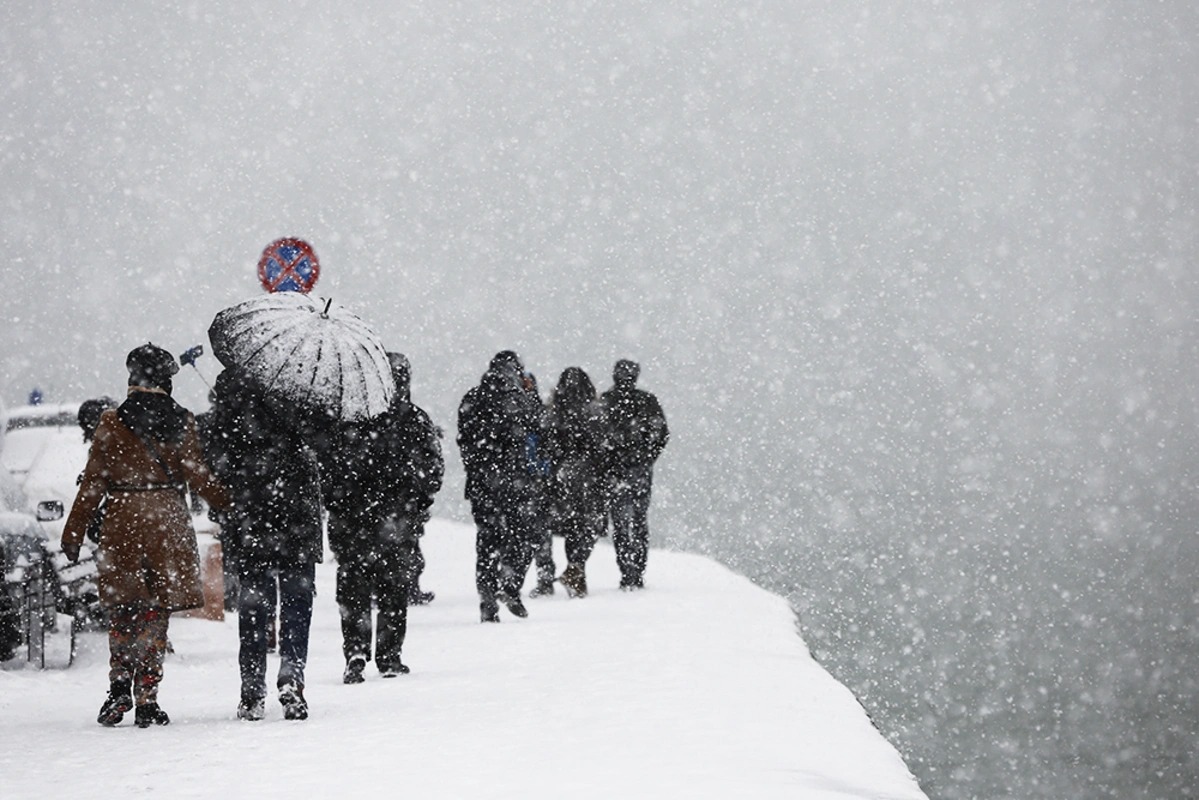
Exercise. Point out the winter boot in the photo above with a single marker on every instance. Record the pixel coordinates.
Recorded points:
(418, 598)
(150, 714)
(251, 709)
(489, 611)
(575, 581)
(631, 584)
(393, 669)
(514, 604)
(119, 700)
(543, 589)
(291, 697)
(354, 667)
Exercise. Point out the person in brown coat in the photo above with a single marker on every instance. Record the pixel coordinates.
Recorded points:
(143, 458)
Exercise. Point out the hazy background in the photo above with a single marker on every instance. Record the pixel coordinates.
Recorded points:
(914, 281)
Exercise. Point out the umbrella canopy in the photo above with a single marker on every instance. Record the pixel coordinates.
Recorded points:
(306, 353)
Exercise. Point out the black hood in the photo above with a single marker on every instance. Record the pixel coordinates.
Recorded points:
(154, 416)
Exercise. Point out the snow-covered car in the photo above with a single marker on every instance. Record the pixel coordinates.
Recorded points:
(42, 453)
(45, 453)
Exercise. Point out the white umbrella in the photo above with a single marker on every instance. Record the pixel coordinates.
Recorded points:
(306, 353)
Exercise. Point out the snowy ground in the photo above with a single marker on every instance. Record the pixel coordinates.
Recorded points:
(697, 687)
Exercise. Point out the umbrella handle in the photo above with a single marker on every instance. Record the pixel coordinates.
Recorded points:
(201, 374)
(328, 303)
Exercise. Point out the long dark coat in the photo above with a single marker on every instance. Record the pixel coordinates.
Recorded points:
(147, 553)
(576, 433)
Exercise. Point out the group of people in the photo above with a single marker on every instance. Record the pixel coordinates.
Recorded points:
(535, 470)
(275, 479)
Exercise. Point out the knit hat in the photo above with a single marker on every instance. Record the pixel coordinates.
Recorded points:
(151, 367)
(626, 372)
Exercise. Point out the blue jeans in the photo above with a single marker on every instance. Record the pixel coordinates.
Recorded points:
(293, 587)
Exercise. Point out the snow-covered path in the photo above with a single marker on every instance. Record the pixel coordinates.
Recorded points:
(696, 687)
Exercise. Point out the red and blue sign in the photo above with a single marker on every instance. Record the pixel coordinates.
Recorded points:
(288, 265)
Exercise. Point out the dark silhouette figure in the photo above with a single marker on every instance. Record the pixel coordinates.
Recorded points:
(637, 434)
(538, 465)
(271, 533)
(575, 437)
(381, 479)
(495, 419)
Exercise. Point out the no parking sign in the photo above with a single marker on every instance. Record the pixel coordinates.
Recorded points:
(288, 265)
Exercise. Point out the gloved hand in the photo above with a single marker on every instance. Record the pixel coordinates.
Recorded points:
(71, 551)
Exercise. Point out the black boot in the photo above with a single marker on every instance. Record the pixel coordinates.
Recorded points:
(514, 604)
(119, 700)
(544, 588)
(291, 697)
(575, 580)
(393, 668)
(150, 714)
(251, 709)
(489, 612)
(354, 667)
(418, 598)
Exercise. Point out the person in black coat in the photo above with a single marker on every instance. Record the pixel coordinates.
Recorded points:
(637, 434)
(271, 532)
(575, 437)
(538, 465)
(495, 419)
(382, 480)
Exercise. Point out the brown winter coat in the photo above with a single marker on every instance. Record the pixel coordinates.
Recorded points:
(147, 552)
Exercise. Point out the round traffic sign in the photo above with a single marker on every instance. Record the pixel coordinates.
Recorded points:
(288, 265)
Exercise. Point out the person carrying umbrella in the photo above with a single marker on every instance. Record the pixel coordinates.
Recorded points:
(144, 456)
(296, 367)
(271, 532)
(495, 419)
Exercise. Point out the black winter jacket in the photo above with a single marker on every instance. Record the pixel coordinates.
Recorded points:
(495, 422)
(274, 516)
(637, 431)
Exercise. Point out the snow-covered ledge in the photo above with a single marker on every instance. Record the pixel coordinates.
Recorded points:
(697, 687)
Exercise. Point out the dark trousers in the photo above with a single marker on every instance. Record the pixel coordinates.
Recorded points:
(504, 542)
(383, 574)
(543, 539)
(628, 503)
(295, 586)
(580, 521)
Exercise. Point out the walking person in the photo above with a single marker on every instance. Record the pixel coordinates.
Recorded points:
(637, 434)
(389, 469)
(575, 435)
(538, 465)
(144, 456)
(494, 421)
(417, 448)
(272, 533)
